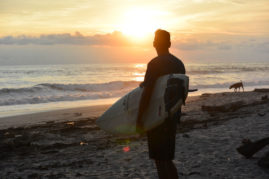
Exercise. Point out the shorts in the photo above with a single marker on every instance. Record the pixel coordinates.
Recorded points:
(161, 140)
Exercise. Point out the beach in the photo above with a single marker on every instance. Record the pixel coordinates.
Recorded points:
(68, 144)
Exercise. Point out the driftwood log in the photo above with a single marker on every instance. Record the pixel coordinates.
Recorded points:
(225, 107)
(231, 107)
(261, 90)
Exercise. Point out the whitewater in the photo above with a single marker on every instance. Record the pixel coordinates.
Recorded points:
(34, 88)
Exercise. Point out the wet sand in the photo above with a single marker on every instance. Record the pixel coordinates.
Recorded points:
(68, 144)
(63, 115)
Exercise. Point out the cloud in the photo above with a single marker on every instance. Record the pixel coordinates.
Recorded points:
(193, 44)
(202, 42)
(112, 39)
(233, 43)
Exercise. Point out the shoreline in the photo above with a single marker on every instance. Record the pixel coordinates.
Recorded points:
(41, 117)
(84, 111)
(17, 110)
(58, 115)
(11, 111)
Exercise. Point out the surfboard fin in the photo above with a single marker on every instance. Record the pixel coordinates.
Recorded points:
(173, 93)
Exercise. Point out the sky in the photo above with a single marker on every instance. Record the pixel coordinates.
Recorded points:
(116, 31)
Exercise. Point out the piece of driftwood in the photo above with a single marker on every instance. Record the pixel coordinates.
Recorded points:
(248, 148)
(264, 98)
(192, 90)
(205, 95)
(230, 107)
(261, 90)
(224, 108)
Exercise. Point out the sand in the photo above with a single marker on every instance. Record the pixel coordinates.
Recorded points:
(68, 144)
(72, 114)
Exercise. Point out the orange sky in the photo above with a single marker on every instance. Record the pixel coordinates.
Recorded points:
(103, 16)
(195, 25)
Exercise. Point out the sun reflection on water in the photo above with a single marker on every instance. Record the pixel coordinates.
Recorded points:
(140, 72)
(139, 78)
(140, 65)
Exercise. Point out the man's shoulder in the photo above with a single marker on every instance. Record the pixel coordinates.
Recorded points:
(165, 58)
(174, 57)
(154, 61)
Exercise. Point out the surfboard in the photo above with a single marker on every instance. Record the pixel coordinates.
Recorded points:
(169, 93)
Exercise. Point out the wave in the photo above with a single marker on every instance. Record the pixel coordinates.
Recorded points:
(115, 85)
(48, 92)
(53, 92)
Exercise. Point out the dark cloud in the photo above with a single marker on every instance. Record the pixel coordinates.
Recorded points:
(118, 39)
(113, 39)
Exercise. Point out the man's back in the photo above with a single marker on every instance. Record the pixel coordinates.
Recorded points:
(162, 65)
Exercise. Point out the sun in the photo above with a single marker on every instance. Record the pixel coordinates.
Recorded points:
(139, 23)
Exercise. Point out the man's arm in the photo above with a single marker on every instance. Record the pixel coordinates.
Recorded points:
(148, 84)
(143, 105)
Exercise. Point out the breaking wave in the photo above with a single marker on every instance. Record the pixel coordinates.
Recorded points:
(48, 92)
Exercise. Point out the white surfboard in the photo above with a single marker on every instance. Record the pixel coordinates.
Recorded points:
(120, 118)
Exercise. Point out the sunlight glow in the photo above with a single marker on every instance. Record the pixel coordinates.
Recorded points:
(140, 23)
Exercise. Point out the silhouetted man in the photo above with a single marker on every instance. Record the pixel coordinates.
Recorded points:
(161, 140)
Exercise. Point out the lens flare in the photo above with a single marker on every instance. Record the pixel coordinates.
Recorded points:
(126, 149)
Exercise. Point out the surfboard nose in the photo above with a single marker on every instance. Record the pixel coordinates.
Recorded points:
(104, 120)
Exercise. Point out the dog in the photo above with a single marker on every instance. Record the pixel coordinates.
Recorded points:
(237, 85)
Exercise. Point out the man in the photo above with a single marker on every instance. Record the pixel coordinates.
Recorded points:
(161, 140)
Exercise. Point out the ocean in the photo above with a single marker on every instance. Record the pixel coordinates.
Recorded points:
(35, 88)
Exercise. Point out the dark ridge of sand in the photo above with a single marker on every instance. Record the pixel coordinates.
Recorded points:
(74, 147)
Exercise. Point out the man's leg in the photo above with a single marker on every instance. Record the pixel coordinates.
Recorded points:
(172, 170)
(166, 169)
(160, 169)
(161, 144)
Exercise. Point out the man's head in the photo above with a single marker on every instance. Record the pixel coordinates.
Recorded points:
(162, 40)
